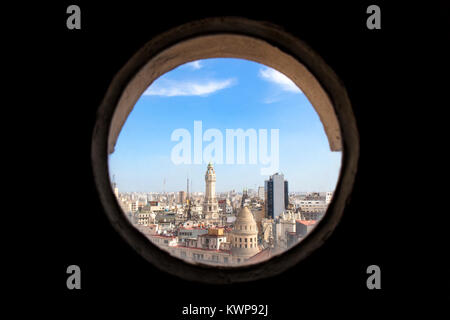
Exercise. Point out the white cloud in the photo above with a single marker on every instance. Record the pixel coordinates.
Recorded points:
(195, 65)
(271, 99)
(280, 79)
(171, 88)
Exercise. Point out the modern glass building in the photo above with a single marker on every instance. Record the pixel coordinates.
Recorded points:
(276, 195)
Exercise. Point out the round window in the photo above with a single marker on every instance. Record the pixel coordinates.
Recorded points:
(222, 130)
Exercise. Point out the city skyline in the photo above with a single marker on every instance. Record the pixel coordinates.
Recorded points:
(227, 229)
(223, 94)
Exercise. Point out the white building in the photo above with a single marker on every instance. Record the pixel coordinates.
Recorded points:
(328, 197)
(261, 193)
(312, 205)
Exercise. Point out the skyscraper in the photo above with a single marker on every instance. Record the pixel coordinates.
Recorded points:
(276, 195)
(210, 205)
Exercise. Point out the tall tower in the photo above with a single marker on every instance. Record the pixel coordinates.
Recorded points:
(187, 188)
(210, 205)
(276, 195)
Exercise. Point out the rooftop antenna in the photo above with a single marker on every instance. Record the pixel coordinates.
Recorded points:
(187, 185)
(164, 185)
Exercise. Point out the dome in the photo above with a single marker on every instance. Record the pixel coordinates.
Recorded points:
(245, 216)
(244, 242)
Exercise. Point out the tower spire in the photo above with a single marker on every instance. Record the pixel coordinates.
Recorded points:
(187, 191)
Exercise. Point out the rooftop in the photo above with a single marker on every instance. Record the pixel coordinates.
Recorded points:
(307, 222)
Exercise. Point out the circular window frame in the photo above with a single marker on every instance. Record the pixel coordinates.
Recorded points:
(212, 38)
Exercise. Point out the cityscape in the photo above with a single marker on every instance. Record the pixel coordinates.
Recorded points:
(231, 228)
(224, 162)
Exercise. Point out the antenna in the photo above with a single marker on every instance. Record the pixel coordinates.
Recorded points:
(187, 185)
(164, 185)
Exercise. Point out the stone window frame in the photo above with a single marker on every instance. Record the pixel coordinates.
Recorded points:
(234, 37)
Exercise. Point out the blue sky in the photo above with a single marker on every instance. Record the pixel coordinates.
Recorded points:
(223, 94)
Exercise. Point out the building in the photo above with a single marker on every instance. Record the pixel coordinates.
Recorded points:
(282, 227)
(244, 237)
(261, 193)
(276, 195)
(245, 198)
(214, 239)
(144, 218)
(222, 205)
(210, 205)
(312, 205)
(182, 197)
(328, 197)
(303, 227)
(217, 246)
(133, 206)
(190, 233)
(209, 248)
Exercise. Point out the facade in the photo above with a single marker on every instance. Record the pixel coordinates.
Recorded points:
(190, 233)
(281, 229)
(214, 239)
(210, 204)
(303, 227)
(313, 205)
(261, 193)
(328, 197)
(145, 218)
(276, 195)
(132, 206)
(182, 197)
